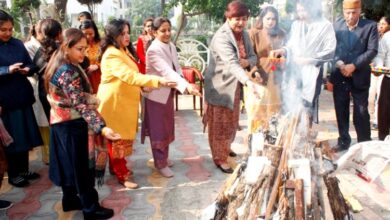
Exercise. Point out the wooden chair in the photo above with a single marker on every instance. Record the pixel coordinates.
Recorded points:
(193, 76)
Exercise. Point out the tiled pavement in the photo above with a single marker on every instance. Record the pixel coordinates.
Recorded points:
(194, 186)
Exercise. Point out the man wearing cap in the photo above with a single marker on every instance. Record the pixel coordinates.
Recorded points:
(357, 45)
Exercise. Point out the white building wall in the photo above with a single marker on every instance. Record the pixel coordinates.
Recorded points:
(108, 8)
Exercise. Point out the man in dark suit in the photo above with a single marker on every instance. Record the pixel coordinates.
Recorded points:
(357, 45)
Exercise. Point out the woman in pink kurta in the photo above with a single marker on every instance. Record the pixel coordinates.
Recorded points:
(158, 124)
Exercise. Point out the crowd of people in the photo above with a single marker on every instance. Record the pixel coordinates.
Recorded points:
(79, 95)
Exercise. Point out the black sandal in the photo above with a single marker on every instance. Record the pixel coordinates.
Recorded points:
(30, 175)
(228, 170)
(18, 181)
(71, 205)
(5, 204)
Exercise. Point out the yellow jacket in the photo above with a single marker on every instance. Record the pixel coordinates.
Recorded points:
(119, 91)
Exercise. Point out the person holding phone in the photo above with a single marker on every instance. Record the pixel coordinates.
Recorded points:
(16, 99)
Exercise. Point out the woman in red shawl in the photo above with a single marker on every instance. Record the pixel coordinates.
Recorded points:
(144, 41)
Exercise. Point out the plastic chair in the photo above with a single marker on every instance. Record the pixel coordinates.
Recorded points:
(191, 74)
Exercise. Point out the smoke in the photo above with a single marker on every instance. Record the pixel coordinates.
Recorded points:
(311, 42)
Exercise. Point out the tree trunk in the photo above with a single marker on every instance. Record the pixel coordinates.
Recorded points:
(162, 7)
(61, 8)
(30, 18)
(181, 27)
(91, 9)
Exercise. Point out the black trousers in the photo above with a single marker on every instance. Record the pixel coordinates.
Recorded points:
(69, 163)
(384, 109)
(43, 98)
(17, 163)
(361, 118)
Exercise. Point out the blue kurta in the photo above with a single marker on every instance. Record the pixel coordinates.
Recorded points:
(17, 97)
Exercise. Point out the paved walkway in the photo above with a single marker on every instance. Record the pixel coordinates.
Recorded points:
(194, 186)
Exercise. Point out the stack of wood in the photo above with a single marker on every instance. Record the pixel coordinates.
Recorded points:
(287, 180)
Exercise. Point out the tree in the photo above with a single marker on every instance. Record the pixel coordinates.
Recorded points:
(90, 4)
(138, 11)
(61, 8)
(215, 9)
(142, 9)
(25, 7)
(162, 3)
(375, 9)
(372, 9)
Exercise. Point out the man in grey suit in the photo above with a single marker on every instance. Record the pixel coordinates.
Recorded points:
(357, 45)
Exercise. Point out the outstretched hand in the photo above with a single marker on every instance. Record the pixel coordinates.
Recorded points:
(92, 68)
(147, 89)
(110, 134)
(166, 83)
(191, 88)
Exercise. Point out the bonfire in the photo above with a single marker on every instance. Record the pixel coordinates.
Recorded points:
(283, 176)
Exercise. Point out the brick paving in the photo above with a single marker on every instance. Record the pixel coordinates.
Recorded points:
(194, 186)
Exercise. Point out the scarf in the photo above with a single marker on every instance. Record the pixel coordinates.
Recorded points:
(97, 148)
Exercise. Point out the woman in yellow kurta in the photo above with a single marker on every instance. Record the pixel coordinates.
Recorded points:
(266, 36)
(119, 95)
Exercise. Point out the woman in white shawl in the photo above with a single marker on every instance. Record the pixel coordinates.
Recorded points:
(311, 43)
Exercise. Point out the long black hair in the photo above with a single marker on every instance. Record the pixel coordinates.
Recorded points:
(86, 24)
(263, 13)
(275, 31)
(50, 30)
(112, 30)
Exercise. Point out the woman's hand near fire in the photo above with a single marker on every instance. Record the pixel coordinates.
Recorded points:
(191, 89)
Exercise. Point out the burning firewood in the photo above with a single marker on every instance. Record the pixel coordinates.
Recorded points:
(282, 176)
(336, 199)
